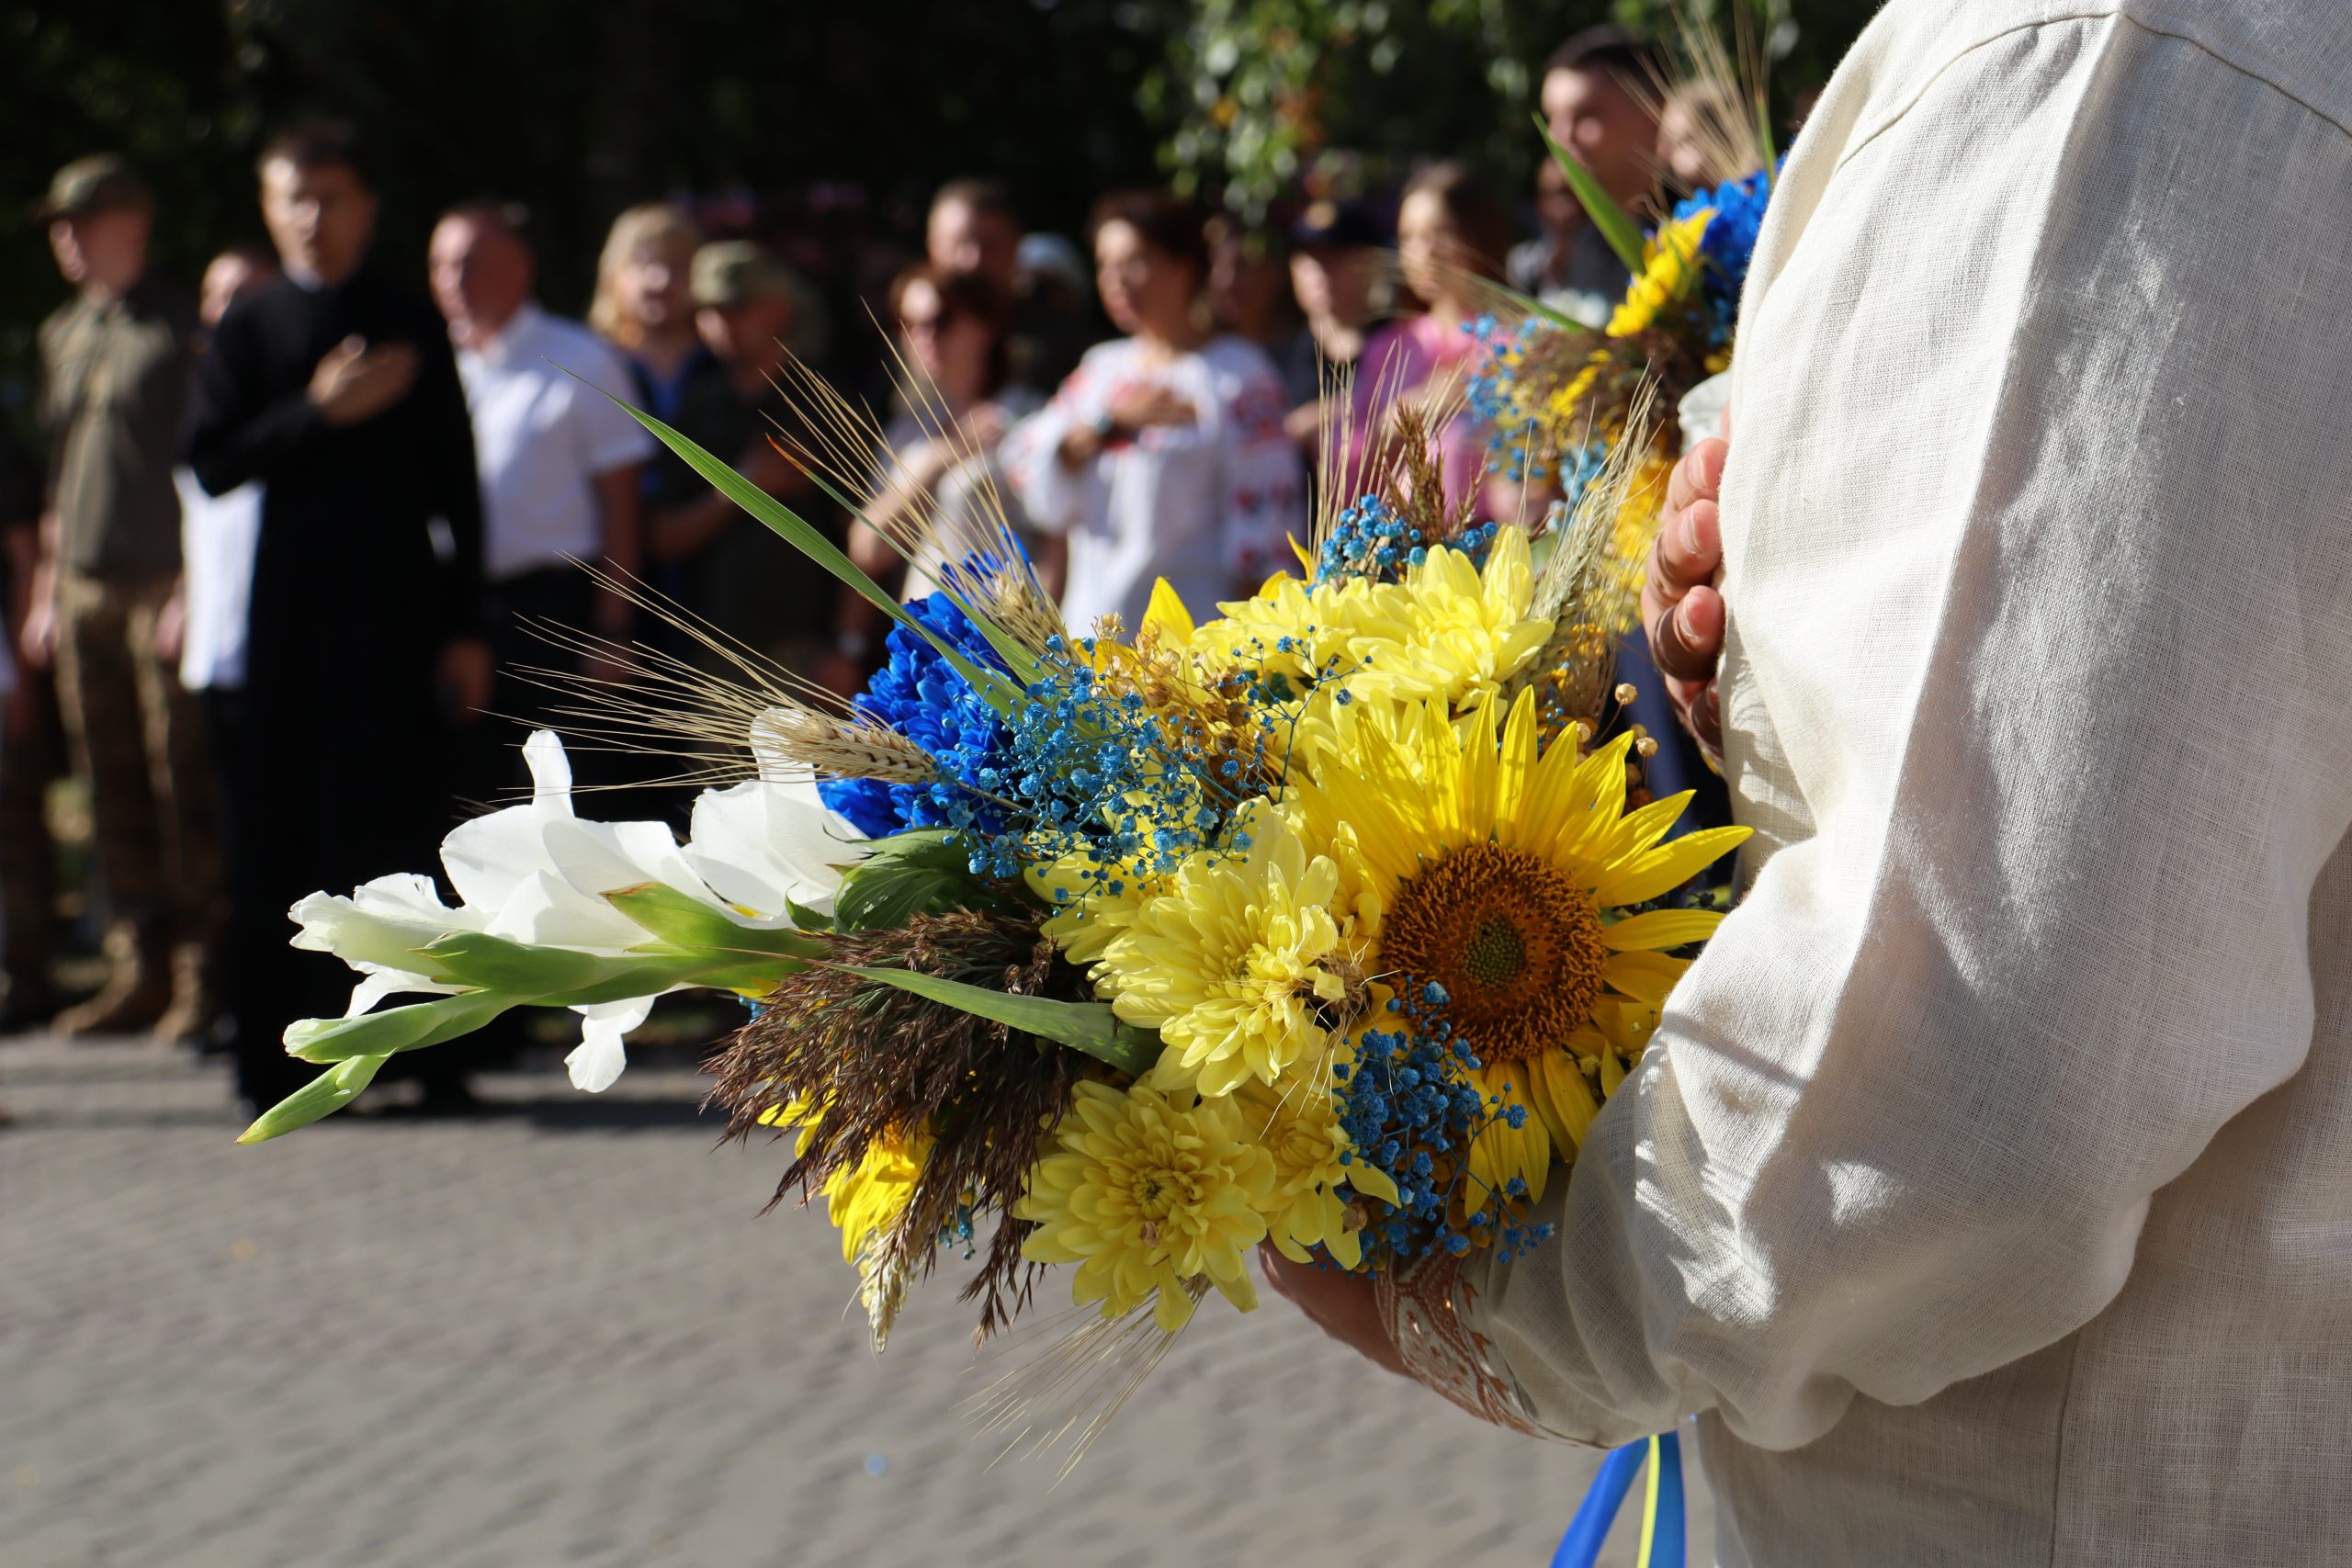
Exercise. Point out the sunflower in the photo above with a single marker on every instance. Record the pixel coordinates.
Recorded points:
(1495, 875)
(1145, 1188)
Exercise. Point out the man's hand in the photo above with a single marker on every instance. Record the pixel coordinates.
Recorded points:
(1338, 1303)
(1681, 611)
(354, 383)
(38, 639)
(463, 677)
(171, 627)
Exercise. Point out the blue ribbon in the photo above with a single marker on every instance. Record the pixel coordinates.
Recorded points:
(1664, 1542)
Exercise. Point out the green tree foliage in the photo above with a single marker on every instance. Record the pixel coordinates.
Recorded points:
(1259, 91)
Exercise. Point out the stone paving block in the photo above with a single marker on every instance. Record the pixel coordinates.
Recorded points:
(562, 1333)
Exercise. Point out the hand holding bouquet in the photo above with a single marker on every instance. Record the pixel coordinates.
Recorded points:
(1325, 923)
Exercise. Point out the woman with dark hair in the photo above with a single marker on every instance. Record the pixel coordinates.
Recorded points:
(1452, 233)
(1163, 454)
(939, 478)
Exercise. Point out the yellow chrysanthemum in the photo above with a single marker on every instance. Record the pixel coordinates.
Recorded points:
(1288, 628)
(1449, 631)
(1298, 1124)
(1144, 1189)
(1232, 959)
(1494, 872)
(1670, 270)
(865, 1202)
(1093, 902)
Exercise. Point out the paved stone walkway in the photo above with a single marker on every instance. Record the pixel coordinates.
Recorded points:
(562, 1333)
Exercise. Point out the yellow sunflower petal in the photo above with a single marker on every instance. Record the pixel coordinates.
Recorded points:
(1562, 1097)
(1638, 830)
(1645, 976)
(1502, 1151)
(1661, 928)
(1668, 866)
(1165, 613)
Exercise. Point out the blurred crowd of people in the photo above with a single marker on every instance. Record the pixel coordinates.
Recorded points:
(295, 532)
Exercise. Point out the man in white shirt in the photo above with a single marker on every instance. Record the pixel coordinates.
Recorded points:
(1987, 1187)
(558, 459)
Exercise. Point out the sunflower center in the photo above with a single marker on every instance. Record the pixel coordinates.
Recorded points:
(1495, 954)
(1515, 943)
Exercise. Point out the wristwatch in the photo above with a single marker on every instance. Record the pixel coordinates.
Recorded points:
(1105, 425)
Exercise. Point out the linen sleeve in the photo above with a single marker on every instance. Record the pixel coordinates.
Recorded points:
(2039, 561)
(1265, 499)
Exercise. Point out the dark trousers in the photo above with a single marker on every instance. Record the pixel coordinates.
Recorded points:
(328, 763)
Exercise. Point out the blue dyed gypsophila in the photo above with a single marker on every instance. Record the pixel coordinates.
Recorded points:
(1406, 1105)
(1371, 539)
(1729, 242)
(920, 695)
(1510, 393)
(1088, 769)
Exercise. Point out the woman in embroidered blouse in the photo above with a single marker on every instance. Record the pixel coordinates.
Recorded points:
(1163, 454)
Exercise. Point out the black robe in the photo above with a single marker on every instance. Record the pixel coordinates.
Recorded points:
(334, 761)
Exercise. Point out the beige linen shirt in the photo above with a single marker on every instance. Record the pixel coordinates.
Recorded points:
(1988, 1187)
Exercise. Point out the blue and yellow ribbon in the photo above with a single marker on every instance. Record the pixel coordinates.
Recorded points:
(1664, 1539)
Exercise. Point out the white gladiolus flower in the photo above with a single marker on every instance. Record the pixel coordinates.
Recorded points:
(538, 875)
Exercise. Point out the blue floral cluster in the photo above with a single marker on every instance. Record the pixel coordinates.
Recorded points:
(920, 695)
(1406, 1105)
(1372, 539)
(1729, 242)
(1491, 393)
(1087, 768)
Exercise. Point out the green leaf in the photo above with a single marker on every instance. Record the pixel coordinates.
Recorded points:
(496, 964)
(999, 693)
(1091, 1027)
(408, 1028)
(907, 873)
(1017, 659)
(1624, 235)
(322, 1096)
(692, 926)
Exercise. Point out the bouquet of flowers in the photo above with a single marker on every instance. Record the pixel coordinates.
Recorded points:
(1326, 920)
(1557, 396)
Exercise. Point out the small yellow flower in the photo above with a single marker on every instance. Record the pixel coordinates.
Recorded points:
(1232, 959)
(1144, 1190)
(1298, 1124)
(1669, 271)
(1450, 631)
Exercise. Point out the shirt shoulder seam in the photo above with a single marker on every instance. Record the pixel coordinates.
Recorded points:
(1903, 113)
(2336, 121)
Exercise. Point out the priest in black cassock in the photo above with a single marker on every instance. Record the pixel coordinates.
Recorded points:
(337, 391)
